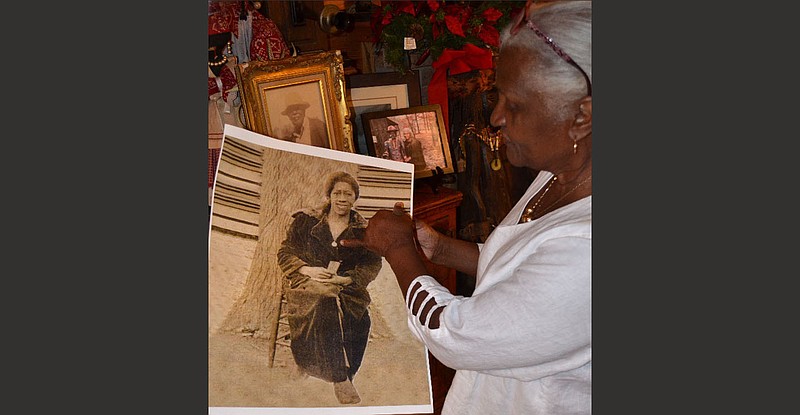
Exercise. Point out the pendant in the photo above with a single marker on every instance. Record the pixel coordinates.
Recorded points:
(334, 244)
(494, 141)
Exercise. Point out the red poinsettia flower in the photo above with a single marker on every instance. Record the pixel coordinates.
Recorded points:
(472, 20)
(456, 17)
(489, 35)
(387, 18)
(461, 11)
(435, 29)
(407, 7)
(491, 14)
(454, 25)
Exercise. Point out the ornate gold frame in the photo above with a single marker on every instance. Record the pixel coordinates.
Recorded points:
(258, 79)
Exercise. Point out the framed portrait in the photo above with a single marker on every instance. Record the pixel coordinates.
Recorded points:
(299, 99)
(278, 333)
(414, 135)
(373, 92)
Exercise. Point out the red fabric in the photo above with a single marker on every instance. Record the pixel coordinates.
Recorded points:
(454, 62)
(266, 37)
(228, 82)
(224, 18)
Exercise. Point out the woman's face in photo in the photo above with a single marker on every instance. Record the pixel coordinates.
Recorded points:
(343, 197)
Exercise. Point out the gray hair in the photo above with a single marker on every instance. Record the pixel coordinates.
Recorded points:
(569, 25)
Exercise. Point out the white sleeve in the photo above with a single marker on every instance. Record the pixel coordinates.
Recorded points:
(534, 323)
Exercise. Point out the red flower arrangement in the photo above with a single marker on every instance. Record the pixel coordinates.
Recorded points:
(438, 25)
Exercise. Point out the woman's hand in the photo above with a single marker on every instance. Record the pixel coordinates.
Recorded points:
(387, 230)
(316, 273)
(339, 280)
(390, 234)
(428, 239)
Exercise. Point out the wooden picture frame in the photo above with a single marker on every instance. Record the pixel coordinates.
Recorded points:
(424, 123)
(313, 83)
(373, 92)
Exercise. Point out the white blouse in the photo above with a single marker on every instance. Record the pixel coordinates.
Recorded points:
(521, 344)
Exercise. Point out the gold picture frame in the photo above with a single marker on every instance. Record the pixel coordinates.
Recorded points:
(271, 89)
(424, 124)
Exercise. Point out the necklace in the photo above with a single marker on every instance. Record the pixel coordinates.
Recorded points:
(220, 62)
(528, 215)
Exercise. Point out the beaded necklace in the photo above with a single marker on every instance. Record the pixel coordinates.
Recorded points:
(221, 62)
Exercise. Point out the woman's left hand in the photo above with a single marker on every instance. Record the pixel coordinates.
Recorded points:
(338, 280)
(390, 234)
(387, 230)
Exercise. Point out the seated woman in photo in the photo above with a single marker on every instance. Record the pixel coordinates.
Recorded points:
(326, 287)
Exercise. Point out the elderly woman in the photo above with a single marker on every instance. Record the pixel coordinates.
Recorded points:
(326, 288)
(521, 344)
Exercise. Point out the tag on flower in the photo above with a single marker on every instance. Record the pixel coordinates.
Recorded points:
(409, 43)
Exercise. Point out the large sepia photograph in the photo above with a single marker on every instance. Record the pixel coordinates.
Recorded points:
(298, 323)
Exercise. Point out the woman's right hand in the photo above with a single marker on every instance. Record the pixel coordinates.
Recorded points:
(316, 273)
(428, 238)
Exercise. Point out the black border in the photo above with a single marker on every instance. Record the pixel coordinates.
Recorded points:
(109, 207)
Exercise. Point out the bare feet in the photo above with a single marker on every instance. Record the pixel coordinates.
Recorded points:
(346, 392)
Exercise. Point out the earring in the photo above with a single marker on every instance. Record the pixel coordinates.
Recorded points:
(229, 47)
(575, 147)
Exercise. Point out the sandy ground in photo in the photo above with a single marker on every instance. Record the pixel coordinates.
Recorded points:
(394, 371)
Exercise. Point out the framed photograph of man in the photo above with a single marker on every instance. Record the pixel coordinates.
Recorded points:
(414, 135)
(299, 99)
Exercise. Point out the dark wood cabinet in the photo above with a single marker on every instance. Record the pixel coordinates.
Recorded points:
(298, 21)
(438, 209)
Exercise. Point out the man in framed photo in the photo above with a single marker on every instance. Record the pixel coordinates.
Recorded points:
(393, 148)
(302, 129)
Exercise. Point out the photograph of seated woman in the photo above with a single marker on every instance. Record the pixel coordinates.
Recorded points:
(325, 286)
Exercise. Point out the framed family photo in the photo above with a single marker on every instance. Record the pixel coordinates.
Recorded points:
(371, 92)
(299, 99)
(414, 135)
